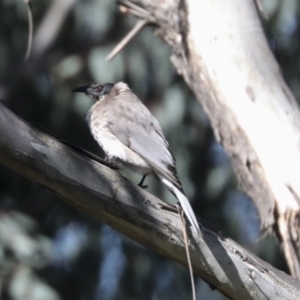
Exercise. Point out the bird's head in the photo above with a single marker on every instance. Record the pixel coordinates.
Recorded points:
(95, 91)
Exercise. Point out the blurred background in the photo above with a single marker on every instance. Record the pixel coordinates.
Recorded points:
(49, 250)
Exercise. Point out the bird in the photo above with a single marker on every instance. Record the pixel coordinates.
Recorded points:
(131, 137)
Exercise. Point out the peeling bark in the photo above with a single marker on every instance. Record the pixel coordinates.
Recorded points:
(220, 49)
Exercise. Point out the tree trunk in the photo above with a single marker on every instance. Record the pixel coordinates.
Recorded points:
(220, 49)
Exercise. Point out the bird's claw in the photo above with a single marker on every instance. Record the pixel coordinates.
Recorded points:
(143, 186)
(141, 183)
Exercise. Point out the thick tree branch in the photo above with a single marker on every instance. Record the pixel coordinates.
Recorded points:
(220, 49)
(104, 194)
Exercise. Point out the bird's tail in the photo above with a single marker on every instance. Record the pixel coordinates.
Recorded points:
(184, 202)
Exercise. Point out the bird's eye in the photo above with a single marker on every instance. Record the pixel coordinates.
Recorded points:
(99, 88)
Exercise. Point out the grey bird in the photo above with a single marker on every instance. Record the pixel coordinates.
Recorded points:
(130, 136)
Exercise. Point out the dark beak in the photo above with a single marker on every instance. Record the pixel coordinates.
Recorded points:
(81, 89)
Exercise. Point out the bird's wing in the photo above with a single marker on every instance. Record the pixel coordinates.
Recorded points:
(135, 127)
(133, 124)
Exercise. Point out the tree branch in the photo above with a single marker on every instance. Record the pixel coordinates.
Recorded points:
(220, 49)
(30, 28)
(51, 24)
(104, 194)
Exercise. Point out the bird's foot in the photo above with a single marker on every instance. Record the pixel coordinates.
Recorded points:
(141, 183)
(143, 186)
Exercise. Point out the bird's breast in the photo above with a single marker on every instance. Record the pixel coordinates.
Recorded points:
(112, 146)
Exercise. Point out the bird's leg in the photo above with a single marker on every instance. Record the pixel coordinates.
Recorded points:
(115, 162)
(140, 184)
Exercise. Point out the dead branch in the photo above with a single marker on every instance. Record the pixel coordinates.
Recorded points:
(110, 198)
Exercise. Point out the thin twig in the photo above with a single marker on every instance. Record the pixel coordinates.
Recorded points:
(126, 10)
(134, 9)
(138, 26)
(30, 29)
(183, 224)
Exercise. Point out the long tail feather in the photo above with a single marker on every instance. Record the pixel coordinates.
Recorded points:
(184, 202)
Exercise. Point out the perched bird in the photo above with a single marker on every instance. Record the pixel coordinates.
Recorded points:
(130, 136)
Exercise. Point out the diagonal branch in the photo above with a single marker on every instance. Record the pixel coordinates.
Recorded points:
(30, 28)
(104, 194)
(138, 26)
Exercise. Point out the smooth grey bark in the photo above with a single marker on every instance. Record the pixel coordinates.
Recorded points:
(221, 51)
(110, 198)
